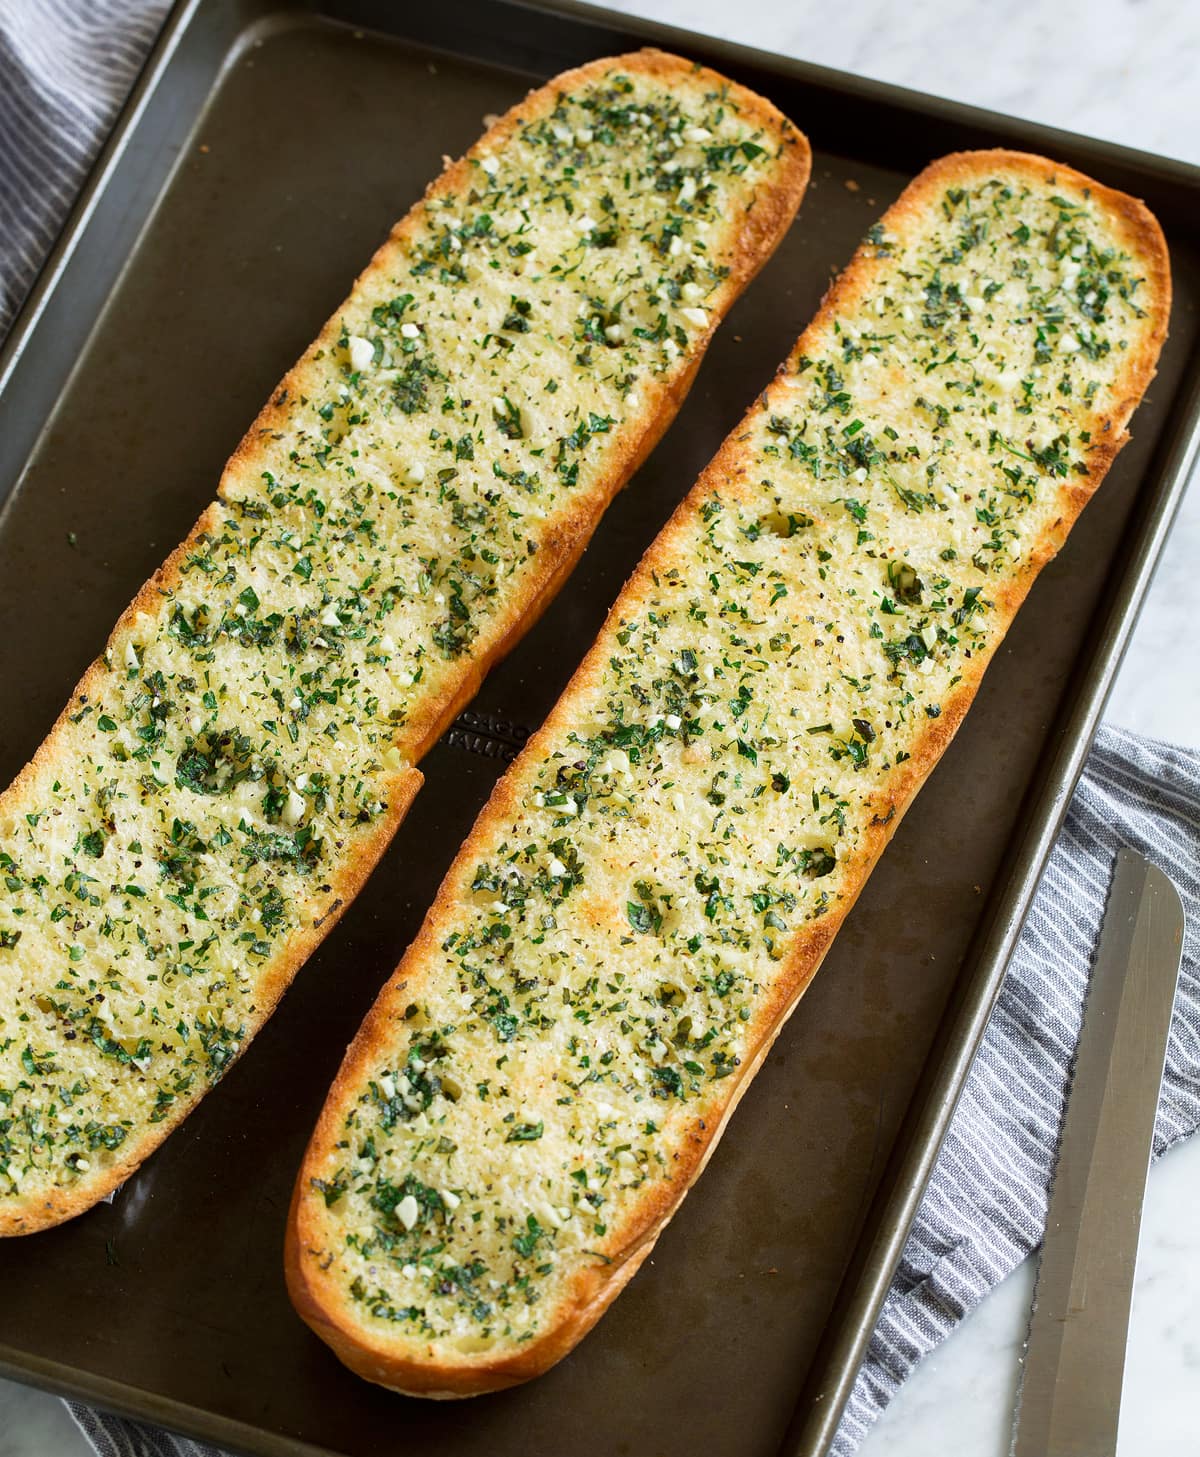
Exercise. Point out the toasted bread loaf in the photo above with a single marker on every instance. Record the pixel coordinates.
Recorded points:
(230, 770)
(657, 877)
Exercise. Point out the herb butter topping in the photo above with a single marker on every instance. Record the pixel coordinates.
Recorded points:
(193, 822)
(713, 785)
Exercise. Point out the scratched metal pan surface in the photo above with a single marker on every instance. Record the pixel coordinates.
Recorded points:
(267, 150)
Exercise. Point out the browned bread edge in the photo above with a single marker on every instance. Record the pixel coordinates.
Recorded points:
(598, 1286)
(765, 227)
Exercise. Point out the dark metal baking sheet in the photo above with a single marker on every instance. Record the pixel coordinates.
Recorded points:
(267, 149)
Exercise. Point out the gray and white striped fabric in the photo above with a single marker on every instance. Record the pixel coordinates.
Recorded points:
(64, 67)
(113, 1437)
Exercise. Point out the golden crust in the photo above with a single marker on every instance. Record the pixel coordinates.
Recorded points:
(313, 1293)
(765, 228)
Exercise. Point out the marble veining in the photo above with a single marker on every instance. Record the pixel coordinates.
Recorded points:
(968, 1386)
(1124, 70)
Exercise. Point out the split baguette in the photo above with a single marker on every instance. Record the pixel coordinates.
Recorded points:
(658, 876)
(227, 774)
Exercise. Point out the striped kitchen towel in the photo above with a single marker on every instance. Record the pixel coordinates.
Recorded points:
(64, 68)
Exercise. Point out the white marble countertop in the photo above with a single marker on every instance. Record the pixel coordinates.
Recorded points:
(1124, 70)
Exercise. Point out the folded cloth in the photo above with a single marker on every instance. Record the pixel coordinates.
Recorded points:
(65, 66)
(114, 1437)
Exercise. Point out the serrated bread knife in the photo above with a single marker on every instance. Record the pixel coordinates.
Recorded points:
(1069, 1400)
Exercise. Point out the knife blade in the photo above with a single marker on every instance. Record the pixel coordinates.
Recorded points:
(1069, 1400)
